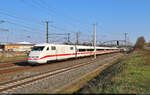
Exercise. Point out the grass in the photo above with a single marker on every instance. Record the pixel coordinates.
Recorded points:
(77, 85)
(131, 76)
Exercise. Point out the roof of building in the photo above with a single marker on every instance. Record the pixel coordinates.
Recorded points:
(24, 43)
(17, 43)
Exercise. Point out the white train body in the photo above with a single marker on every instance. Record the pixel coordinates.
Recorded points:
(42, 53)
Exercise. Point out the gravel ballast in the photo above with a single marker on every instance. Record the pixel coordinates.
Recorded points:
(55, 83)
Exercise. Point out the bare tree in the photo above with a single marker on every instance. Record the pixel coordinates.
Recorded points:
(140, 43)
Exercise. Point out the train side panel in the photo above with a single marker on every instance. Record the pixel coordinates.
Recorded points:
(65, 52)
(49, 53)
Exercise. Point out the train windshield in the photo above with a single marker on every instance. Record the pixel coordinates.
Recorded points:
(38, 48)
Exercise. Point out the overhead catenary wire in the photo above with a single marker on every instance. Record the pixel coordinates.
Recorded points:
(28, 25)
(24, 26)
(45, 5)
(36, 5)
(60, 28)
(6, 13)
(39, 5)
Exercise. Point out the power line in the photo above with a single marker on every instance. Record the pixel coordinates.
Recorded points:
(60, 28)
(60, 34)
(75, 19)
(24, 26)
(43, 7)
(17, 17)
(34, 3)
(39, 3)
(4, 30)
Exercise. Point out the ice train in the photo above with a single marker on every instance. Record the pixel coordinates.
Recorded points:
(42, 53)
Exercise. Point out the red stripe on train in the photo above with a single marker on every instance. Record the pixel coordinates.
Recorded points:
(68, 54)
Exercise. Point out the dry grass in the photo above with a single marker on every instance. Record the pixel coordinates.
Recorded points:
(12, 56)
(82, 83)
(131, 76)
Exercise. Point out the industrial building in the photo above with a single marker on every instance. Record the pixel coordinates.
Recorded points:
(18, 46)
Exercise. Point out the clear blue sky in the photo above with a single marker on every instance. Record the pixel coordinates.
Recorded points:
(25, 19)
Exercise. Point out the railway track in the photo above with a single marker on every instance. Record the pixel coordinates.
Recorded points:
(6, 68)
(8, 86)
(9, 64)
(3, 65)
(13, 84)
(14, 72)
(11, 67)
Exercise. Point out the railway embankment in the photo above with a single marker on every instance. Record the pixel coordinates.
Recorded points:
(131, 76)
(55, 81)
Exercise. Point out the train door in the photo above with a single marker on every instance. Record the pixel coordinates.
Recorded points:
(50, 53)
(61, 51)
(53, 51)
(76, 51)
(71, 51)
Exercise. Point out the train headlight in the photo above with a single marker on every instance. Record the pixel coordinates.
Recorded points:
(36, 57)
(33, 57)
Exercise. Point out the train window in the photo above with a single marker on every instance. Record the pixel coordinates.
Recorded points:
(81, 50)
(71, 48)
(47, 48)
(53, 48)
(37, 48)
(90, 49)
(100, 49)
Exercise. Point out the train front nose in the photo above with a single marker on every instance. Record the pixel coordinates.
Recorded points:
(33, 59)
(35, 54)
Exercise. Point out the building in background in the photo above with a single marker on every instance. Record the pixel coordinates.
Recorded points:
(18, 46)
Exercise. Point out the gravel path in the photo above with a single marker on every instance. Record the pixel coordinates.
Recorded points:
(43, 68)
(55, 83)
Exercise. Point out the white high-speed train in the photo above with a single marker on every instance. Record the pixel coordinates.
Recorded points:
(42, 53)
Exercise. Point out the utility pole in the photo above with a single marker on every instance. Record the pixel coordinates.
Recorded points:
(77, 38)
(68, 37)
(47, 22)
(94, 40)
(125, 39)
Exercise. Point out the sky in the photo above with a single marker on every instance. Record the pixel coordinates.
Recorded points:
(24, 20)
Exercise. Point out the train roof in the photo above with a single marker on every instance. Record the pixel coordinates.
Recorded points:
(78, 46)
